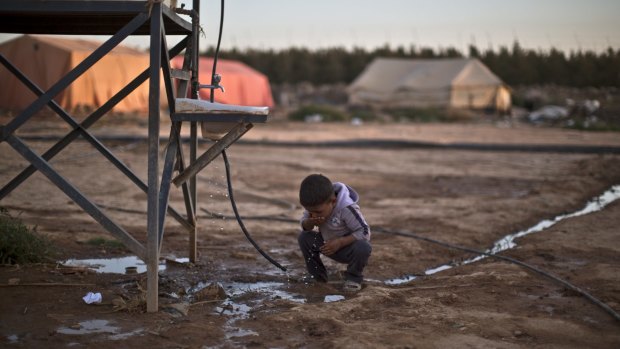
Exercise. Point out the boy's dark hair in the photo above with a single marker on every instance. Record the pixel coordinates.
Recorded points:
(315, 190)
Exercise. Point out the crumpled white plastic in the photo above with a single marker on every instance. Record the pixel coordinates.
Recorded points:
(92, 298)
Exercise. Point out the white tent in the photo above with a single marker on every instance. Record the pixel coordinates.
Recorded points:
(423, 83)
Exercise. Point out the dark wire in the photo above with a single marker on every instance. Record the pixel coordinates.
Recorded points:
(217, 52)
(234, 207)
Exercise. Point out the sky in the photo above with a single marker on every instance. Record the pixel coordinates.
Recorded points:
(568, 25)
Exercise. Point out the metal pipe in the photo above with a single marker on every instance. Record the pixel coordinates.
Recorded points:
(152, 224)
(72, 192)
(89, 121)
(212, 153)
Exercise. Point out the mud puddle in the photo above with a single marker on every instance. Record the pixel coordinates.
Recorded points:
(244, 298)
(122, 265)
(104, 327)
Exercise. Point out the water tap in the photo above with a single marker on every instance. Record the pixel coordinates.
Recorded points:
(215, 83)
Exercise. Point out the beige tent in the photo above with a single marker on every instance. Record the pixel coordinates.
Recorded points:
(45, 60)
(423, 83)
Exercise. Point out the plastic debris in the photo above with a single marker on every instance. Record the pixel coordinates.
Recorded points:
(91, 298)
(313, 118)
(548, 113)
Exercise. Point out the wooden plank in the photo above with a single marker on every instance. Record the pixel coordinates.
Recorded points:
(208, 117)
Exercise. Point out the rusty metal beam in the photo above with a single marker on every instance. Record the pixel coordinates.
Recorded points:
(81, 129)
(231, 137)
(152, 224)
(46, 169)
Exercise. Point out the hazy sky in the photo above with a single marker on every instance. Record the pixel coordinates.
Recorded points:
(536, 24)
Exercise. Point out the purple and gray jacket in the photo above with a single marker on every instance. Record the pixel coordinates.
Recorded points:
(346, 218)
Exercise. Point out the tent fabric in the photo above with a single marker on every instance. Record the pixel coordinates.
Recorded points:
(452, 83)
(243, 85)
(45, 60)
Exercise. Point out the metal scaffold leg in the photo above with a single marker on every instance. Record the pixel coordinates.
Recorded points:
(152, 226)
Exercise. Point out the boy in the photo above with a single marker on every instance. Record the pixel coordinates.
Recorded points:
(343, 235)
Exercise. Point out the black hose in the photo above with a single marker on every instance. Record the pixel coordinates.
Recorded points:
(509, 259)
(234, 207)
(217, 52)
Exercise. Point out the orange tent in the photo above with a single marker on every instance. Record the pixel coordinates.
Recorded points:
(45, 60)
(243, 85)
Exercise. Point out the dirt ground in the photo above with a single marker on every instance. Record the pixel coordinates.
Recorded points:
(234, 298)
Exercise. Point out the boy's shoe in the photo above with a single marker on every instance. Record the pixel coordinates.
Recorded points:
(350, 286)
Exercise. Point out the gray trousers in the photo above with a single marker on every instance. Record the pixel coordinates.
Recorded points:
(354, 255)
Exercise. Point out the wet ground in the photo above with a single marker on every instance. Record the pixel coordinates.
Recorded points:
(417, 294)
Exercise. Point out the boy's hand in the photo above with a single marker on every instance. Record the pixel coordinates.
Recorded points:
(316, 220)
(310, 222)
(331, 246)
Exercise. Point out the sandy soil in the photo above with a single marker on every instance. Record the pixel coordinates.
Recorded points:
(468, 198)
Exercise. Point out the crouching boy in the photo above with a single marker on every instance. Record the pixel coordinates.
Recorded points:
(343, 234)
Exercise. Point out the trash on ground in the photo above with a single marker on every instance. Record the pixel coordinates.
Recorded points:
(548, 113)
(91, 298)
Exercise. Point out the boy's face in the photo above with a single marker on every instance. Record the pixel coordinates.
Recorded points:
(323, 210)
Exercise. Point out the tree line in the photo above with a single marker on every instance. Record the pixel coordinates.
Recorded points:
(514, 65)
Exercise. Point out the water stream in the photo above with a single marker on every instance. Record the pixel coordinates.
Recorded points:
(508, 241)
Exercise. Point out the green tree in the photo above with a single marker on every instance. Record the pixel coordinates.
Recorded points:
(514, 65)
